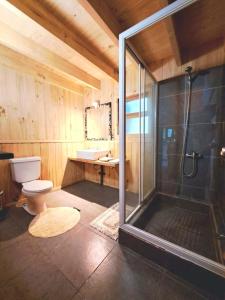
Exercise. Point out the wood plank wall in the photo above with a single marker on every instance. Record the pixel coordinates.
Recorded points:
(38, 118)
(169, 69)
(109, 92)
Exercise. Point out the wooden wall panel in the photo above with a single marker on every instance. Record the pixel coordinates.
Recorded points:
(109, 92)
(55, 165)
(169, 69)
(37, 118)
(33, 110)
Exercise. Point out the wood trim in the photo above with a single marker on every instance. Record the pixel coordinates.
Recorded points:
(53, 21)
(133, 115)
(20, 43)
(132, 97)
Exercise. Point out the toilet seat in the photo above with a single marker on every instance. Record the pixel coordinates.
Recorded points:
(37, 186)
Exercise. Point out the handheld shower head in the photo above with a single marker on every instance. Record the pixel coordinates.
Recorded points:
(188, 70)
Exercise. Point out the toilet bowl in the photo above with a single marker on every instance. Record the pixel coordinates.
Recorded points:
(34, 191)
(26, 170)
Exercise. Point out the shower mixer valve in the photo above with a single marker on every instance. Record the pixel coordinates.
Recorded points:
(194, 155)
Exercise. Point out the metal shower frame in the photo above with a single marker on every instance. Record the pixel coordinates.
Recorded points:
(138, 233)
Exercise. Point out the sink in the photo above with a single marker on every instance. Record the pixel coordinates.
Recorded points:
(6, 155)
(91, 154)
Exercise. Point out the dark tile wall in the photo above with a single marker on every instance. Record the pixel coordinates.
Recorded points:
(206, 135)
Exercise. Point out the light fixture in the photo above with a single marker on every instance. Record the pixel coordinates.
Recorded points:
(96, 103)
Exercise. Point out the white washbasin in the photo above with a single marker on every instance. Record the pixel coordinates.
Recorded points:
(92, 154)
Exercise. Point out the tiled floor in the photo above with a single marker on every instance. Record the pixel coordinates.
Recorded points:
(80, 264)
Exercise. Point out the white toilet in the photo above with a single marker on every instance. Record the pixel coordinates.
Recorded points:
(27, 170)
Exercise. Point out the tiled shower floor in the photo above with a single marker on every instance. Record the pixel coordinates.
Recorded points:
(186, 226)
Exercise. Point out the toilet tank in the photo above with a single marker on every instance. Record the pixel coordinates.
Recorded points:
(25, 169)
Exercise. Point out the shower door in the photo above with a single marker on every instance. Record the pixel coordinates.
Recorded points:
(139, 134)
(148, 112)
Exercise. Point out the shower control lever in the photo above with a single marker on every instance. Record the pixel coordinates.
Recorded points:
(194, 155)
(220, 236)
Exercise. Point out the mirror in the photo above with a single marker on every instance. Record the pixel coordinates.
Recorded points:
(98, 122)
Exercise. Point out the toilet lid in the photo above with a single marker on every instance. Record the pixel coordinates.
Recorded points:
(37, 185)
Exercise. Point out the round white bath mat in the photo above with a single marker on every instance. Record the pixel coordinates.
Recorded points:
(54, 221)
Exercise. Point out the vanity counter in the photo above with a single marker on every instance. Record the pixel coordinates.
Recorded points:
(96, 162)
(102, 165)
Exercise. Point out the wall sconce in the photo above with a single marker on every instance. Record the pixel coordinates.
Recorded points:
(96, 103)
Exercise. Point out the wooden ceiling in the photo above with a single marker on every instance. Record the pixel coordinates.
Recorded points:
(80, 37)
(149, 42)
(200, 28)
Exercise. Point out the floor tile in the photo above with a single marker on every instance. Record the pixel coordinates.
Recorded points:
(176, 289)
(20, 217)
(15, 258)
(117, 278)
(78, 257)
(40, 280)
(10, 233)
(88, 210)
(94, 193)
(50, 245)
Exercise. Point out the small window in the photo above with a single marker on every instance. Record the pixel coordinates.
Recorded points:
(133, 119)
(132, 106)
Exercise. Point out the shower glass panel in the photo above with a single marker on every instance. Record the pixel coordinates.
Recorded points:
(148, 136)
(132, 129)
(174, 139)
(140, 130)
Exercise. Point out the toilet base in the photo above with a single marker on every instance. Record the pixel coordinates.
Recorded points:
(35, 205)
(26, 208)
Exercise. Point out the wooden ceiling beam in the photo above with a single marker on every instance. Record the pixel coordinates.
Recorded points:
(21, 44)
(104, 17)
(39, 11)
(15, 60)
(172, 35)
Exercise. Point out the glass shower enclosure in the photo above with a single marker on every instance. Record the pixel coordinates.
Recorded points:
(139, 111)
(170, 174)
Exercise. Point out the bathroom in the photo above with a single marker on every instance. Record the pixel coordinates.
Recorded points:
(112, 150)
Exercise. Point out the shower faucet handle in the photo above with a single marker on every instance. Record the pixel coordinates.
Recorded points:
(222, 152)
(195, 155)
